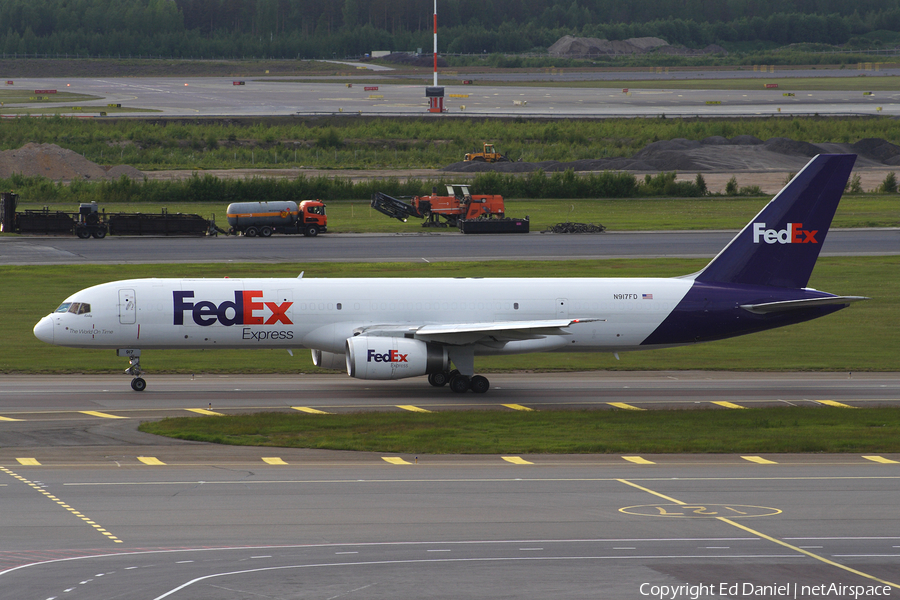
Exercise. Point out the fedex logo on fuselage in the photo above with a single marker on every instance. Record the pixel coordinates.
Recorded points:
(391, 356)
(792, 234)
(247, 309)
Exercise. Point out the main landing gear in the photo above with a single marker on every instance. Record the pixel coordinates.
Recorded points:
(134, 368)
(460, 383)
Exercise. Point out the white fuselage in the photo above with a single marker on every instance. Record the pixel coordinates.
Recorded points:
(619, 313)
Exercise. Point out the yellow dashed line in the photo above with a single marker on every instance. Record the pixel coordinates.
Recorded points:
(516, 460)
(726, 404)
(395, 460)
(624, 406)
(103, 415)
(203, 411)
(881, 459)
(759, 460)
(412, 408)
(309, 410)
(31, 462)
(518, 407)
(50, 496)
(835, 404)
(638, 460)
(150, 460)
(273, 460)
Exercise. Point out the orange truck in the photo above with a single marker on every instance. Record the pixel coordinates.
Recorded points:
(265, 218)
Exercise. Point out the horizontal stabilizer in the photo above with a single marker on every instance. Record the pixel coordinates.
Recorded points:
(776, 307)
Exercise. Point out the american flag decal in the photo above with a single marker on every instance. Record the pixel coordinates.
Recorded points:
(647, 296)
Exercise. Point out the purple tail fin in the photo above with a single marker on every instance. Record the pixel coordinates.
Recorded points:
(779, 247)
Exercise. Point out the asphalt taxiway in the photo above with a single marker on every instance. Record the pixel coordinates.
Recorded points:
(409, 247)
(371, 96)
(94, 509)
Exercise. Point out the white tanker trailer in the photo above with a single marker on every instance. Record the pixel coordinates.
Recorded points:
(265, 218)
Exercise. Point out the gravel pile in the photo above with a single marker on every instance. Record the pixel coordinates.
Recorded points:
(58, 164)
(741, 153)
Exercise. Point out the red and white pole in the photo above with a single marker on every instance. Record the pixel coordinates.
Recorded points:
(435, 43)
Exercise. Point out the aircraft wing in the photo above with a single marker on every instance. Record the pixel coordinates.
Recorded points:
(470, 333)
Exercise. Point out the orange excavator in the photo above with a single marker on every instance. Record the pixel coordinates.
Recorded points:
(478, 213)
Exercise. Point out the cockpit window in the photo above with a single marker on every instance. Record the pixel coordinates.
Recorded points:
(76, 308)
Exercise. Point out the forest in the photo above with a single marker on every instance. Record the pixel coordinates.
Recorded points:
(343, 28)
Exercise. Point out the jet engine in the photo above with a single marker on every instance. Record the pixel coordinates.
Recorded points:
(374, 357)
(329, 360)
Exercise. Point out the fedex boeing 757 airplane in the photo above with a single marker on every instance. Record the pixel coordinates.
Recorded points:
(397, 328)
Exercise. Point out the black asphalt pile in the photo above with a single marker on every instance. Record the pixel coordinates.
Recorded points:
(740, 153)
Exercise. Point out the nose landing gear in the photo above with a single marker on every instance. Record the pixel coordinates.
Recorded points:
(134, 368)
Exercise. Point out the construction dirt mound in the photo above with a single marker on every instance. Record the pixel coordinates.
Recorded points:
(58, 164)
(571, 47)
(741, 153)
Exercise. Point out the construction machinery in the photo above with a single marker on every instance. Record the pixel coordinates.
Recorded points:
(89, 222)
(479, 213)
(488, 154)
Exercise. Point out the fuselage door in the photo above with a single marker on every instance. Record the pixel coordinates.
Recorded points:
(127, 307)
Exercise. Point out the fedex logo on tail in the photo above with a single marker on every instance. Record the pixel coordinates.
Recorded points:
(245, 310)
(792, 234)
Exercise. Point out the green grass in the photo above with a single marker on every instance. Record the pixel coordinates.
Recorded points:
(618, 214)
(860, 338)
(754, 81)
(20, 96)
(776, 430)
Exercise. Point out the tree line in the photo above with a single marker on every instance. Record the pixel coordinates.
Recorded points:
(323, 29)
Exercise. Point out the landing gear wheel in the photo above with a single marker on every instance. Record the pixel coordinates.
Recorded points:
(265, 232)
(480, 384)
(251, 232)
(439, 379)
(138, 384)
(460, 384)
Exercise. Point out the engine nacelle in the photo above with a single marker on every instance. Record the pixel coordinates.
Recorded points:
(374, 357)
(329, 360)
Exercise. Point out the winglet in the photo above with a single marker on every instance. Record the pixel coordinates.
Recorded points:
(779, 247)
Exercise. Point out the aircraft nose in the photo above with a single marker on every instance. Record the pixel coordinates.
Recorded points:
(44, 330)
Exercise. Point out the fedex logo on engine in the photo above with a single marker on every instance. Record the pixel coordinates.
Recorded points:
(392, 356)
(245, 310)
(792, 234)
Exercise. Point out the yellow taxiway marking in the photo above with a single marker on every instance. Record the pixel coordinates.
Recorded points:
(726, 404)
(309, 410)
(273, 460)
(150, 460)
(624, 406)
(203, 411)
(9, 419)
(881, 459)
(769, 538)
(53, 498)
(759, 460)
(395, 460)
(835, 404)
(103, 415)
(412, 408)
(638, 460)
(518, 407)
(516, 460)
(31, 462)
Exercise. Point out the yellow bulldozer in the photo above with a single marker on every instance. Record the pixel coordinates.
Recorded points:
(487, 155)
